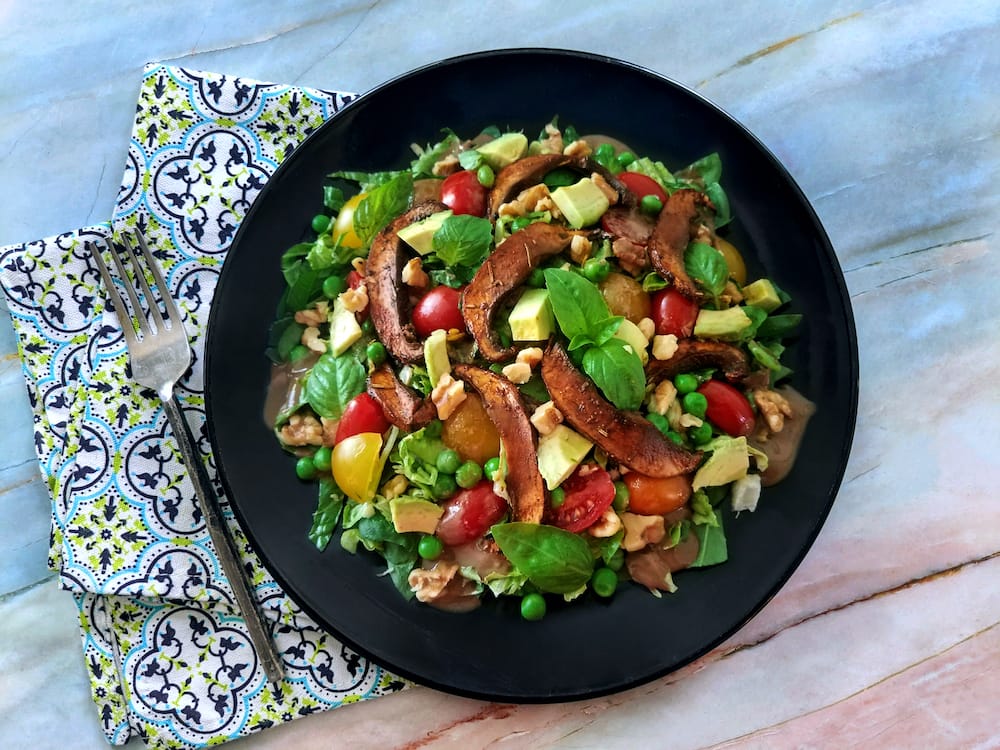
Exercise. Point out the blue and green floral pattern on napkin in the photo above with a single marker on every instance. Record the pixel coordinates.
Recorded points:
(168, 654)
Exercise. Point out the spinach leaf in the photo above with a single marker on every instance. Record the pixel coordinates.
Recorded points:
(456, 278)
(554, 560)
(463, 240)
(367, 180)
(381, 205)
(712, 548)
(290, 267)
(779, 326)
(306, 286)
(283, 335)
(707, 169)
(423, 165)
(535, 389)
(399, 550)
(618, 372)
(333, 382)
(706, 266)
(333, 198)
(757, 317)
(577, 304)
(769, 357)
(723, 214)
(328, 508)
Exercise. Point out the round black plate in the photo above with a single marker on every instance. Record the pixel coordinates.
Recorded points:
(591, 647)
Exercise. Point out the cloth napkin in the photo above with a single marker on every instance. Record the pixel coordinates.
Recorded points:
(168, 654)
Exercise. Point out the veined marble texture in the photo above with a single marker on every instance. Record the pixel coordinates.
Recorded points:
(888, 116)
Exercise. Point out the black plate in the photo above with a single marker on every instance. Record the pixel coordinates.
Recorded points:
(591, 647)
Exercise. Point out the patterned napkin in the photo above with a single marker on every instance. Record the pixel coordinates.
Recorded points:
(168, 654)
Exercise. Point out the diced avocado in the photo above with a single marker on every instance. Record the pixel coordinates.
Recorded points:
(721, 324)
(504, 150)
(728, 462)
(582, 204)
(559, 453)
(436, 355)
(420, 234)
(629, 333)
(531, 318)
(344, 328)
(762, 294)
(414, 514)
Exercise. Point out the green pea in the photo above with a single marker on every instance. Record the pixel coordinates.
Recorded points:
(305, 469)
(686, 383)
(448, 461)
(320, 223)
(444, 487)
(596, 270)
(485, 175)
(536, 278)
(299, 351)
(604, 581)
(468, 474)
(532, 607)
(557, 497)
(620, 502)
(322, 458)
(333, 286)
(368, 328)
(429, 547)
(491, 467)
(519, 223)
(701, 434)
(696, 404)
(375, 351)
(650, 204)
(617, 560)
(675, 437)
(625, 158)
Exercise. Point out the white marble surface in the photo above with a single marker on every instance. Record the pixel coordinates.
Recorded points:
(886, 113)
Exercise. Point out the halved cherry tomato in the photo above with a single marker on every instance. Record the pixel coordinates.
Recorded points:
(463, 194)
(587, 497)
(674, 313)
(470, 513)
(642, 185)
(734, 260)
(343, 225)
(439, 308)
(354, 279)
(356, 466)
(363, 414)
(656, 496)
(728, 409)
(469, 431)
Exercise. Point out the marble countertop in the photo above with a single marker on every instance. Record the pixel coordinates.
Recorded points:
(886, 113)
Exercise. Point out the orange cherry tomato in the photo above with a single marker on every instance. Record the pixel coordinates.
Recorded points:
(656, 496)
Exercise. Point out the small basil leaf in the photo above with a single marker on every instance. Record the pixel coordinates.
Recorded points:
(463, 240)
(381, 205)
(332, 383)
(653, 282)
(554, 560)
(706, 266)
(720, 200)
(328, 507)
(779, 326)
(605, 329)
(577, 303)
(618, 372)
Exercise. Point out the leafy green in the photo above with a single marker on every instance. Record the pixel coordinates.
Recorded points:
(283, 335)
(707, 169)
(381, 205)
(757, 317)
(367, 180)
(333, 198)
(769, 357)
(327, 513)
(779, 326)
(712, 548)
(618, 372)
(707, 267)
(416, 457)
(534, 388)
(326, 254)
(423, 165)
(470, 159)
(653, 282)
(455, 278)
(304, 283)
(501, 584)
(463, 240)
(376, 532)
(333, 382)
(554, 560)
(655, 170)
(604, 548)
(578, 304)
(723, 213)
(290, 260)
(702, 511)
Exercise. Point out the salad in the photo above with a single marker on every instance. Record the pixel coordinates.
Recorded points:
(530, 368)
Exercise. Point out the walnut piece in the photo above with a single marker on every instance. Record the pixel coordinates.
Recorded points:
(607, 525)
(314, 316)
(579, 249)
(578, 149)
(546, 418)
(641, 530)
(774, 407)
(429, 583)
(311, 340)
(664, 346)
(663, 396)
(609, 192)
(446, 166)
(517, 372)
(414, 274)
(447, 395)
(530, 356)
(355, 300)
(302, 429)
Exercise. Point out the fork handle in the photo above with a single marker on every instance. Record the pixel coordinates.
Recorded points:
(262, 641)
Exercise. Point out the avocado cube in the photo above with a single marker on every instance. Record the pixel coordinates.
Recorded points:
(531, 318)
(420, 234)
(726, 324)
(762, 294)
(344, 328)
(559, 453)
(582, 204)
(506, 149)
(414, 514)
(728, 462)
(436, 355)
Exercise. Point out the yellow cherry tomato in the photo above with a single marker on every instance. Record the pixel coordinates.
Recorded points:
(343, 225)
(356, 465)
(734, 261)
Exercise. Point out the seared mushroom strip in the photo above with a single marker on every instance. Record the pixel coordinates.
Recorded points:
(503, 272)
(530, 170)
(403, 406)
(388, 303)
(506, 411)
(623, 435)
(699, 355)
(670, 239)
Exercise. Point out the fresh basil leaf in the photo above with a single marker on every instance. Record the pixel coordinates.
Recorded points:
(618, 372)
(577, 303)
(580, 341)
(423, 165)
(768, 357)
(327, 513)
(456, 278)
(463, 240)
(653, 282)
(706, 266)
(712, 548)
(554, 560)
(720, 200)
(323, 256)
(332, 383)
(779, 326)
(605, 329)
(561, 177)
(707, 169)
(570, 134)
(381, 205)
(604, 548)
(492, 131)
(333, 198)
(470, 159)
(367, 180)
(307, 285)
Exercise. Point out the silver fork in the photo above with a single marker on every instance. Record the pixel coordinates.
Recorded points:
(159, 358)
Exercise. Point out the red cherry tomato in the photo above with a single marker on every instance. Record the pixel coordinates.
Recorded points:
(587, 497)
(674, 313)
(642, 185)
(470, 513)
(728, 409)
(363, 414)
(354, 279)
(462, 193)
(439, 308)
